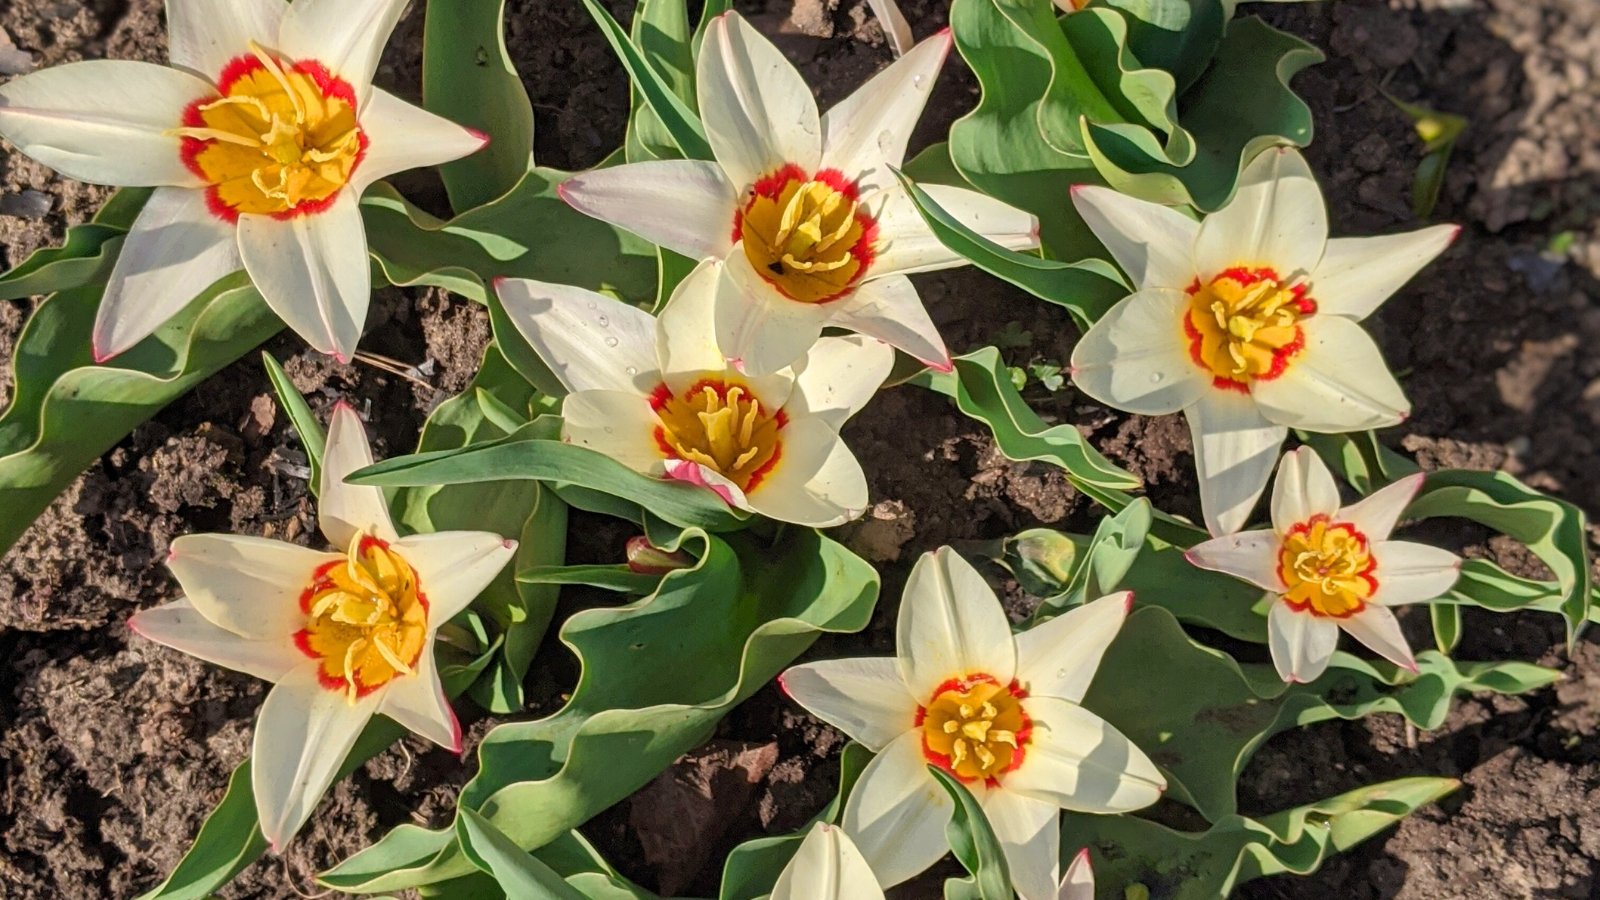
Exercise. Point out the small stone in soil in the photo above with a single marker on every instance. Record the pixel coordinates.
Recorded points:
(26, 205)
(12, 60)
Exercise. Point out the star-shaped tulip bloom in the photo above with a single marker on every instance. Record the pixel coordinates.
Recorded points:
(342, 635)
(827, 867)
(1000, 712)
(259, 140)
(816, 230)
(660, 398)
(1331, 567)
(1247, 322)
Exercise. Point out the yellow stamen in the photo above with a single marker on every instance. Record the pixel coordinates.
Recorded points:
(1327, 568)
(721, 425)
(805, 236)
(366, 619)
(975, 728)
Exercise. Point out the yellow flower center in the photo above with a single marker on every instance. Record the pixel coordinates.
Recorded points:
(1244, 325)
(975, 728)
(806, 235)
(366, 618)
(1327, 568)
(281, 140)
(720, 425)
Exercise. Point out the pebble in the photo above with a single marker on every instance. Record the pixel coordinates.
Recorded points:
(12, 60)
(26, 205)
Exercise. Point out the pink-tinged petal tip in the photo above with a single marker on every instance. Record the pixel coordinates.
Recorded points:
(133, 624)
(783, 684)
(943, 367)
(1455, 234)
(343, 405)
(1082, 856)
(562, 192)
(101, 357)
(1127, 604)
(1076, 188)
(481, 137)
(340, 357)
(509, 544)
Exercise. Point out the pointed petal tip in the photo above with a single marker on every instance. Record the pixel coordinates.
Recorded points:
(509, 544)
(101, 357)
(1454, 234)
(783, 684)
(1127, 603)
(340, 357)
(943, 367)
(1082, 856)
(481, 137)
(133, 624)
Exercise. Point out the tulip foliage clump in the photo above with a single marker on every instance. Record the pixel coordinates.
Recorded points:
(679, 337)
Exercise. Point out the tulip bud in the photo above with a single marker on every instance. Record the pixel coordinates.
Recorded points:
(648, 559)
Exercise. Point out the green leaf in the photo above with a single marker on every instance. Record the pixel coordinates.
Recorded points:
(1178, 36)
(519, 874)
(231, 839)
(1085, 289)
(661, 33)
(526, 233)
(974, 845)
(1201, 715)
(523, 510)
(518, 457)
(1118, 541)
(66, 411)
(612, 578)
(741, 615)
(982, 389)
(680, 122)
(86, 256)
(464, 56)
(304, 421)
(1254, 60)
(1136, 855)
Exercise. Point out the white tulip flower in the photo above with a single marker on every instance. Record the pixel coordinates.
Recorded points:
(815, 229)
(342, 636)
(259, 140)
(1000, 712)
(660, 398)
(1246, 322)
(1332, 568)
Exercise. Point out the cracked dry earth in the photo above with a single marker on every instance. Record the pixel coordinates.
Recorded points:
(112, 750)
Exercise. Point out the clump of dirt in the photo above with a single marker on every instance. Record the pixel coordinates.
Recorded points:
(112, 750)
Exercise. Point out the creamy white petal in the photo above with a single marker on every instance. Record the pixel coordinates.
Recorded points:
(1078, 761)
(1379, 630)
(314, 273)
(1154, 244)
(841, 375)
(696, 474)
(1378, 513)
(176, 250)
(453, 567)
(1305, 488)
(1136, 357)
(686, 338)
(402, 136)
(827, 867)
(347, 36)
(1250, 555)
(619, 424)
(864, 697)
(1338, 383)
(204, 35)
(869, 130)
(1078, 882)
(1301, 643)
(817, 481)
(758, 112)
(1357, 274)
(1029, 832)
(758, 329)
(346, 510)
(248, 585)
(588, 340)
(302, 736)
(1234, 449)
(104, 121)
(894, 24)
(889, 309)
(951, 626)
(906, 245)
(685, 205)
(1277, 219)
(897, 813)
(417, 701)
(180, 626)
(1060, 657)
(1412, 573)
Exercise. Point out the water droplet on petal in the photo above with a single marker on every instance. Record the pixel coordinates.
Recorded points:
(604, 322)
(632, 370)
(1156, 377)
(918, 81)
(611, 342)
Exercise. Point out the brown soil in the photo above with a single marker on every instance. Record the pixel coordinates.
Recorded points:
(112, 750)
